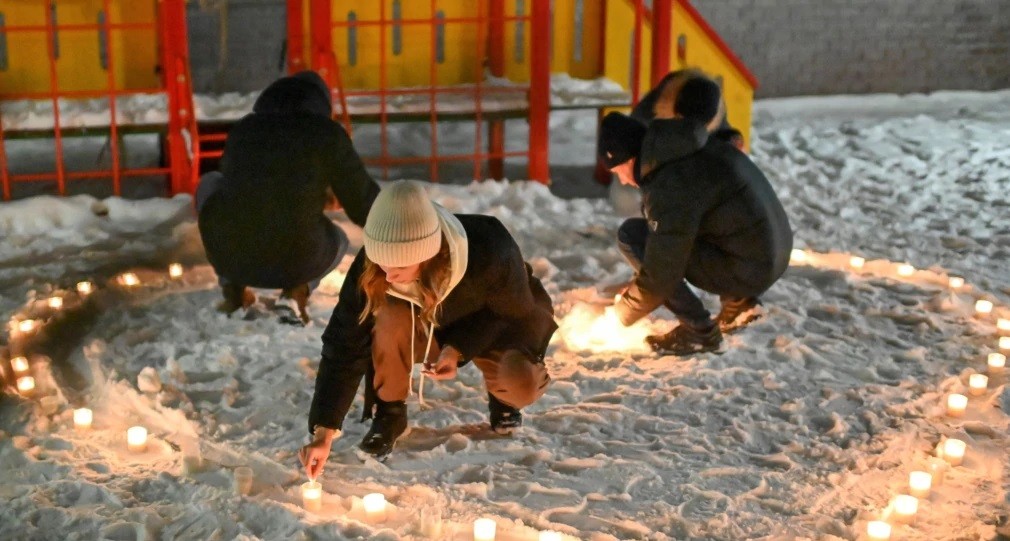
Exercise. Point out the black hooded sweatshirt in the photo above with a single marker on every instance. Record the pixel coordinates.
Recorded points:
(700, 192)
(265, 226)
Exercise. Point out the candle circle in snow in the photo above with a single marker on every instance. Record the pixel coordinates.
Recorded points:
(484, 529)
(20, 365)
(26, 385)
(1003, 324)
(550, 536)
(56, 303)
(953, 451)
(175, 270)
(243, 478)
(26, 326)
(856, 262)
(85, 288)
(956, 404)
(878, 530)
(798, 256)
(905, 507)
(375, 507)
(919, 483)
(129, 279)
(905, 270)
(956, 282)
(136, 439)
(978, 383)
(1004, 343)
(983, 307)
(312, 496)
(83, 418)
(997, 362)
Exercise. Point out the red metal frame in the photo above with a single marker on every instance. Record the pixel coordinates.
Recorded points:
(169, 29)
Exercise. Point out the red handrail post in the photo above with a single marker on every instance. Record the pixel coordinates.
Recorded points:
(496, 64)
(296, 37)
(540, 91)
(175, 62)
(662, 28)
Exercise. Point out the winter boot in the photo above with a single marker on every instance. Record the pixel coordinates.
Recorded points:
(504, 418)
(737, 312)
(389, 424)
(235, 297)
(686, 339)
(299, 297)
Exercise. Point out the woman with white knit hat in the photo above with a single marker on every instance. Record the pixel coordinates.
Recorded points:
(434, 288)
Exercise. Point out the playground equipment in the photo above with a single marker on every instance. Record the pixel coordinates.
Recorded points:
(386, 61)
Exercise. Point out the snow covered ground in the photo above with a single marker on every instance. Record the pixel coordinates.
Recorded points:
(805, 427)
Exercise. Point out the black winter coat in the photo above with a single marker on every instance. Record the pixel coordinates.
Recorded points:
(265, 226)
(701, 193)
(497, 305)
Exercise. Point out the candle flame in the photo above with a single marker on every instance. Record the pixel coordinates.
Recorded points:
(175, 270)
(798, 256)
(956, 282)
(857, 262)
(129, 279)
(56, 303)
(585, 329)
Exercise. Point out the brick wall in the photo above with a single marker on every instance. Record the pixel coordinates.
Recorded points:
(806, 47)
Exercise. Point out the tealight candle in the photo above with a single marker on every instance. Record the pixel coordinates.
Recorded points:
(1003, 324)
(905, 507)
(978, 383)
(953, 451)
(85, 288)
(956, 282)
(136, 439)
(375, 507)
(26, 326)
(856, 262)
(243, 479)
(312, 496)
(20, 365)
(484, 529)
(56, 303)
(1004, 343)
(83, 418)
(937, 468)
(956, 404)
(797, 255)
(129, 279)
(983, 307)
(26, 385)
(997, 362)
(175, 270)
(905, 270)
(550, 536)
(919, 483)
(878, 530)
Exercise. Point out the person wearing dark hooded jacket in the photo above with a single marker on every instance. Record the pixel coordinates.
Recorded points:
(437, 288)
(711, 218)
(262, 217)
(661, 100)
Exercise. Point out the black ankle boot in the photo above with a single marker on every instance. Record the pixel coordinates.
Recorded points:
(504, 418)
(389, 424)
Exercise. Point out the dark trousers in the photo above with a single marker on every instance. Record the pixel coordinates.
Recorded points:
(688, 308)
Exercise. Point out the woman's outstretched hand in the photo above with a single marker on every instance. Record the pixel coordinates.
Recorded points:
(446, 365)
(315, 454)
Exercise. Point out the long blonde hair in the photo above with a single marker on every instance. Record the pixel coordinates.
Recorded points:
(434, 277)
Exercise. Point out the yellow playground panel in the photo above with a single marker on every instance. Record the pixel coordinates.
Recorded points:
(85, 42)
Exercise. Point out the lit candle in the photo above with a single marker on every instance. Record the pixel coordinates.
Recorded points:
(953, 451)
(82, 418)
(1003, 324)
(550, 536)
(919, 483)
(937, 468)
(997, 362)
(983, 307)
(375, 507)
(129, 279)
(1004, 343)
(26, 326)
(56, 303)
(175, 270)
(85, 288)
(956, 404)
(956, 282)
(312, 496)
(978, 383)
(905, 270)
(243, 479)
(905, 507)
(856, 262)
(878, 530)
(798, 256)
(26, 385)
(20, 365)
(136, 439)
(484, 529)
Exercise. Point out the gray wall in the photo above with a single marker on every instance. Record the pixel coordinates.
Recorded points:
(801, 47)
(794, 47)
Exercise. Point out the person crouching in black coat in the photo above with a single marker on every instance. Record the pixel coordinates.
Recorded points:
(437, 288)
(261, 217)
(711, 217)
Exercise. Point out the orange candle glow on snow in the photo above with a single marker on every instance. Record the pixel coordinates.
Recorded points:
(955, 282)
(878, 530)
(978, 383)
(997, 362)
(983, 307)
(136, 439)
(175, 270)
(953, 451)
(82, 418)
(919, 483)
(20, 365)
(26, 385)
(55, 303)
(85, 288)
(956, 404)
(312, 496)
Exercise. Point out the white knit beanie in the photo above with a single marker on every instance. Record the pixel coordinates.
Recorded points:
(402, 228)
